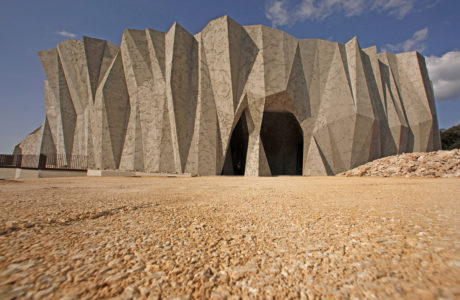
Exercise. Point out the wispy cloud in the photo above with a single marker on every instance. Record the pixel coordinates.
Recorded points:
(286, 12)
(416, 42)
(444, 72)
(65, 33)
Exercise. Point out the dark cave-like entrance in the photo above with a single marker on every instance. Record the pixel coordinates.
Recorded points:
(283, 143)
(235, 158)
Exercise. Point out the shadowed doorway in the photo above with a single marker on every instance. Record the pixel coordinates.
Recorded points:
(235, 158)
(283, 143)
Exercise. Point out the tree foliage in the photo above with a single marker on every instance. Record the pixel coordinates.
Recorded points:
(450, 138)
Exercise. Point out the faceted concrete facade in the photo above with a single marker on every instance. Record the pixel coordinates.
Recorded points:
(232, 99)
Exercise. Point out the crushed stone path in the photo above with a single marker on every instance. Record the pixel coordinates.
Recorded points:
(230, 238)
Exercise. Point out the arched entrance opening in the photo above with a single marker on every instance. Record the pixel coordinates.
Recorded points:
(282, 138)
(235, 158)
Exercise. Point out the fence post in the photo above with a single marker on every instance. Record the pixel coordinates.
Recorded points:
(42, 161)
(17, 161)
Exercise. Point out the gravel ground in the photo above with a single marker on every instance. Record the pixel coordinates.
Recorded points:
(230, 237)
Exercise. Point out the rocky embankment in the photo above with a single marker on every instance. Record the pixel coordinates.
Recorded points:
(418, 164)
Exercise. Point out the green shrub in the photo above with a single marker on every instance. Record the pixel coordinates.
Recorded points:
(450, 138)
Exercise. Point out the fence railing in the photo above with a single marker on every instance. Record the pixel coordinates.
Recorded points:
(44, 161)
(10, 161)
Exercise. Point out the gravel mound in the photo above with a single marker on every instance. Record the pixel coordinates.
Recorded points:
(418, 164)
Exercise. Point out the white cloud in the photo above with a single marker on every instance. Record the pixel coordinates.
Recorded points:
(65, 33)
(284, 12)
(396, 8)
(277, 13)
(444, 72)
(416, 42)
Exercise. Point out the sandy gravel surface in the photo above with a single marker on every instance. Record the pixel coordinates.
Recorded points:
(230, 237)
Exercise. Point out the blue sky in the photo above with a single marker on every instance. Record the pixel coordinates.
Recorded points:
(430, 26)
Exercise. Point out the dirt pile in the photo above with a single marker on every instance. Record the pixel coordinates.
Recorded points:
(419, 164)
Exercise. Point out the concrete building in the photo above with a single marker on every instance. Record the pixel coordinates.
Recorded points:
(232, 99)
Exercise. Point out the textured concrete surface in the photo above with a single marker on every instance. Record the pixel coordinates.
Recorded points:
(6, 173)
(217, 237)
(170, 102)
(12, 173)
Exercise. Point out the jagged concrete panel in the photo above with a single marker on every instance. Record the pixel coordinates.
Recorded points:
(435, 133)
(256, 161)
(339, 114)
(31, 145)
(177, 102)
(209, 150)
(54, 118)
(49, 59)
(182, 89)
(47, 144)
(396, 116)
(61, 111)
(276, 53)
(381, 129)
(111, 112)
(315, 165)
(94, 51)
(420, 109)
(73, 59)
(216, 50)
(140, 83)
(297, 88)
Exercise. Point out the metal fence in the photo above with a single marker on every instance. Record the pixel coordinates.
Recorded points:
(44, 161)
(10, 161)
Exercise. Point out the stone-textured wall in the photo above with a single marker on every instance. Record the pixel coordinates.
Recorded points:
(168, 102)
